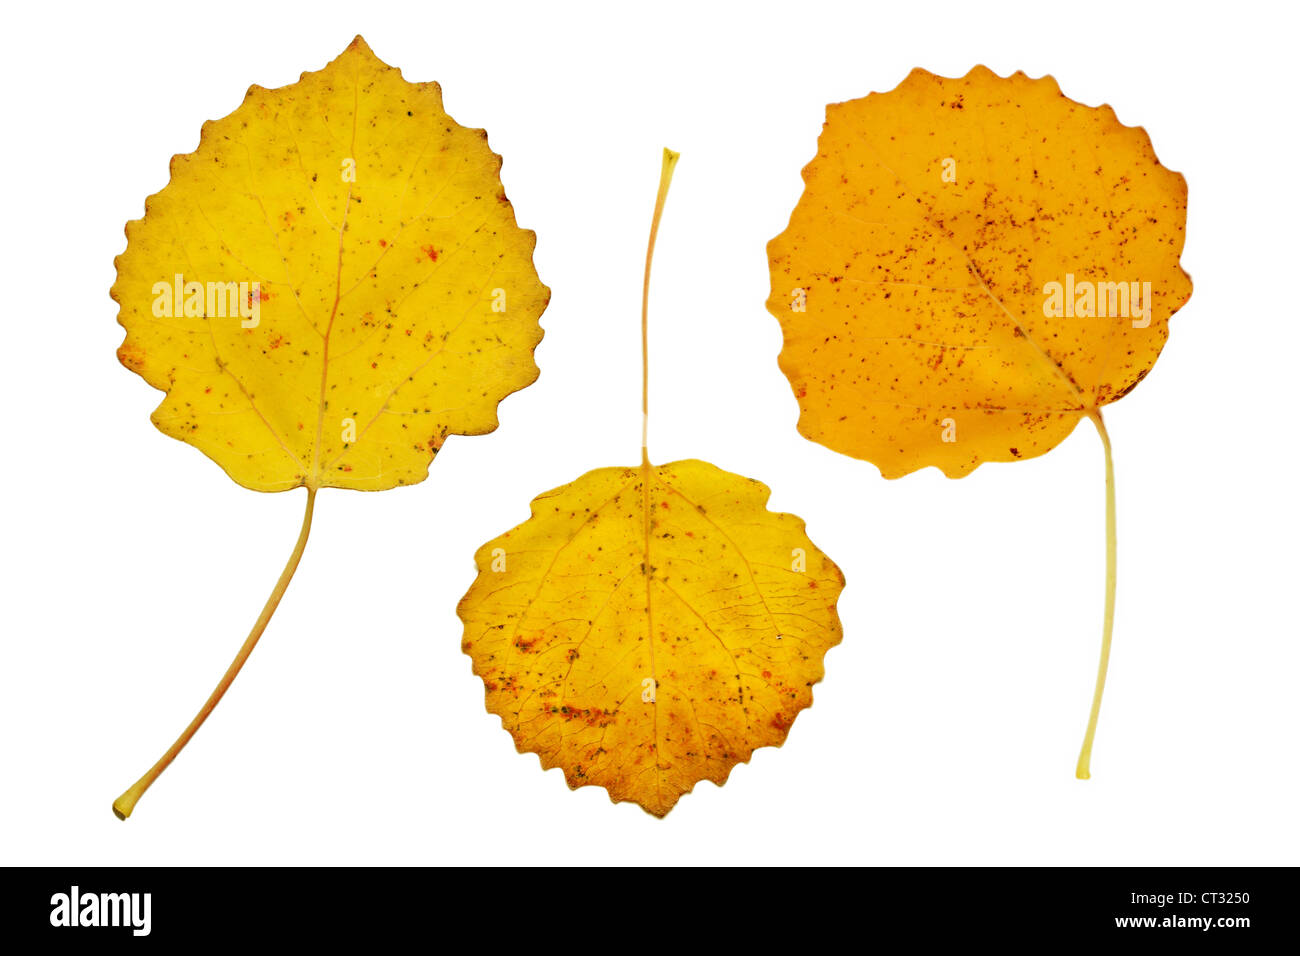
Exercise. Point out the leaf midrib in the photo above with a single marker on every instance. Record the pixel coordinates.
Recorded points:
(313, 478)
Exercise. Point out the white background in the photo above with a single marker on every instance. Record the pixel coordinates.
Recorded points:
(947, 727)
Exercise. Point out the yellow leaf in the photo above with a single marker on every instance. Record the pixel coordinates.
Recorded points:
(910, 281)
(331, 284)
(328, 287)
(650, 627)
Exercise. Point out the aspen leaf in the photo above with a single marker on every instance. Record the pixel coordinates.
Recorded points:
(975, 265)
(650, 627)
(330, 285)
(923, 294)
(377, 231)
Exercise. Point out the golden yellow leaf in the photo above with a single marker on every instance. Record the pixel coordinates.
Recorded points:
(975, 265)
(396, 298)
(649, 627)
(910, 281)
(328, 287)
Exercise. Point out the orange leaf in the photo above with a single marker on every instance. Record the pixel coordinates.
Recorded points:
(914, 281)
(974, 265)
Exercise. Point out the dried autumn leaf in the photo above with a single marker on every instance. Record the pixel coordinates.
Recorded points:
(377, 230)
(975, 265)
(328, 287)
(921, 299)
(648, 628)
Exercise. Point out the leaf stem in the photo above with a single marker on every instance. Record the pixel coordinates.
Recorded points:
(665, 180)
(124, 804)
(1083, 770)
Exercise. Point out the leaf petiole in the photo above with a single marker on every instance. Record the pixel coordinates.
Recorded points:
(124, 804)
(1083, 769)
(665, 180)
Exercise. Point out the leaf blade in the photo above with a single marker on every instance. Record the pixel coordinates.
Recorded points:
(924, 297)
(566, 622)
(400, 305)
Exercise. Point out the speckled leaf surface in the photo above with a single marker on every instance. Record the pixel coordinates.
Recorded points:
(648, 628)
(910, 281)
(397, 298)
(327, 288)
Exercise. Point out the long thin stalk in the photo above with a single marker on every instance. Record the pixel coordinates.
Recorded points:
(665, 180)
(124, 804)
(1083, 770)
